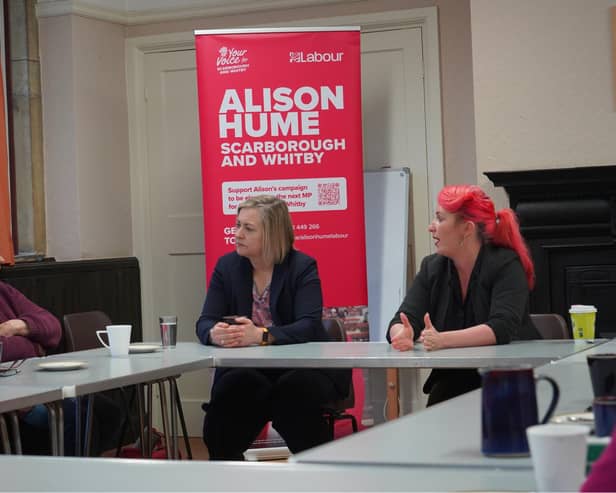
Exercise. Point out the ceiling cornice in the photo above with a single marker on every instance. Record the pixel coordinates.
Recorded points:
(56, 8)
(210, 8)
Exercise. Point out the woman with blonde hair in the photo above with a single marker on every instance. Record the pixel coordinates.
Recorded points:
(474, 291)
(265, 292)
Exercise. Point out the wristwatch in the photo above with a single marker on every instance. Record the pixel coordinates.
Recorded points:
(265, 336)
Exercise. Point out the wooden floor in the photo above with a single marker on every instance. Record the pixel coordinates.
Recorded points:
(197, 446)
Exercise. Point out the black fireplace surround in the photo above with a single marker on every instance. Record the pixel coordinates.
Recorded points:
(568, 218)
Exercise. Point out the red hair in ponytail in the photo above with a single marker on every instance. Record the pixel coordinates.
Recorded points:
(498, 228)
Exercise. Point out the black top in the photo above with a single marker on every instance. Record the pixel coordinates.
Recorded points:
(497, 296)
(460, 313)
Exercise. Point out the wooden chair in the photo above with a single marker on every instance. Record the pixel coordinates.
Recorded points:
(550, 325)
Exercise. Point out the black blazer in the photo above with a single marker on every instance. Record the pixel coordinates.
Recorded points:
(500, 297)
(296, 302)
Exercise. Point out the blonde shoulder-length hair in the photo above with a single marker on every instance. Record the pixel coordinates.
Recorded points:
(278, 234)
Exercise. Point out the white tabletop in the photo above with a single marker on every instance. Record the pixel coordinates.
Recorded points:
(81, 474)
(435, 449)
(608, 346)
(449, 433)
(20, 396)
(103, 372)
(382, 355)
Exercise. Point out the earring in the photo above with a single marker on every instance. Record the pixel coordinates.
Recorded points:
(462, 241)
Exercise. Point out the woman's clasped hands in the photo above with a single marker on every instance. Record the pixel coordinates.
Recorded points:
(402, 335)
(240, 334)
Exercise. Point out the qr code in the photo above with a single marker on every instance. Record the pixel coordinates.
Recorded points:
(329, 193)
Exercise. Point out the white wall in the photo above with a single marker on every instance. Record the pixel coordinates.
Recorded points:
(85, 131)
(102, 138)
(61, 173)
(85, 114)
(543, 84)
(456, 62)
(534, 91)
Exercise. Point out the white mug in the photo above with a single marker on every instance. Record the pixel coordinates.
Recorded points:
(559, 456)
(119, 338)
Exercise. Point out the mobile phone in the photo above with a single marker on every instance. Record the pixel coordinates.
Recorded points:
(230, 319)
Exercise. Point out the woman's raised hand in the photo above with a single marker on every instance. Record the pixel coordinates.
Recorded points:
(432, 339)
(402, 334)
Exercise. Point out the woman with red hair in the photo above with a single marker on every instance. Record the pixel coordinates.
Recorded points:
(474, 291)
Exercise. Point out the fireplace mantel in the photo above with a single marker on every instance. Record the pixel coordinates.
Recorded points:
(562, 183)
(568, 218)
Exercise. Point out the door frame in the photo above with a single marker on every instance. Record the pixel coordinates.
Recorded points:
(137, 48)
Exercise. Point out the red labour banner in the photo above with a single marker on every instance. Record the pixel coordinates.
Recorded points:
(280, 114)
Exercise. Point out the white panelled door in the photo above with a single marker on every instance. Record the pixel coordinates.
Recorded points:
(394, 135)
(174, 176)
(394, 118)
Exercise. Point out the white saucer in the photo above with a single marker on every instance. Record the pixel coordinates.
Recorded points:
(143, 347)
(61, 365)
(574, 418)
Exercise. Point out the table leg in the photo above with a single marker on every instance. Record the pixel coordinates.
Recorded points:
(87, 443)
(149, 411)
(182, 420)
(141, 407)
(173, 399)
(165, 413)
(16, 436)
(60, 416)
(4, 435)
(127, 421)
(78, 425)
(53, 427)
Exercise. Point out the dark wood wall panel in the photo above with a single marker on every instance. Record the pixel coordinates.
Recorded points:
(111, 285)
(568, 218)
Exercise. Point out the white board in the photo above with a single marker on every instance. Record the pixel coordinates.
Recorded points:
(386, 201)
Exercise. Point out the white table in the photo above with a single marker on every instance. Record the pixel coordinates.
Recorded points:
(449, 433)
(609, 346)
(17, 397)
(13, 398)
(88, 474)
(436, 449)
(102, 372)
(382, 355)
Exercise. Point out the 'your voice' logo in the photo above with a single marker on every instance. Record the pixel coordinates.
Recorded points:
(230, 56)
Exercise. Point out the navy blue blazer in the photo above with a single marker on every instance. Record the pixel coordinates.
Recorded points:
(296, 302)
